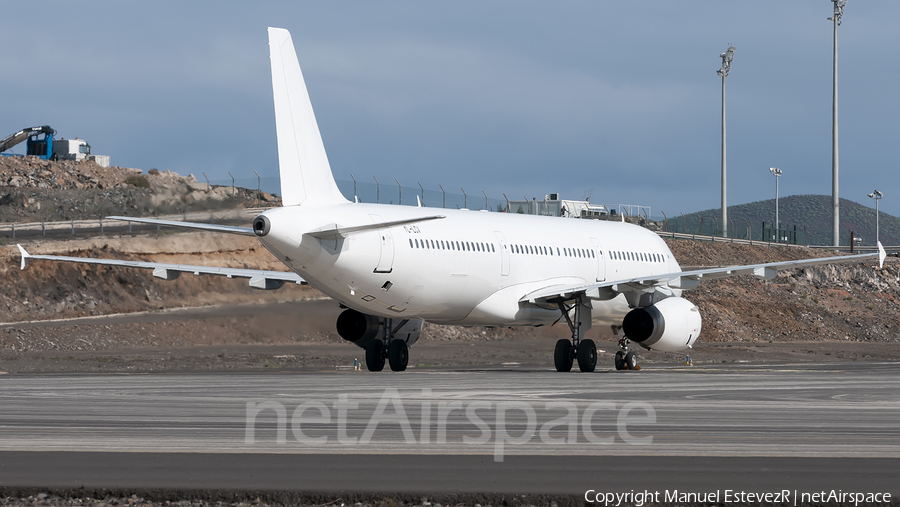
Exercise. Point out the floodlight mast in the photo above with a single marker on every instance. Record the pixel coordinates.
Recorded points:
(877, 196)
(727, 57)
(835, 199)
(777, 172)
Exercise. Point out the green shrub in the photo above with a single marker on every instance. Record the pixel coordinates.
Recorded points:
(138, 181)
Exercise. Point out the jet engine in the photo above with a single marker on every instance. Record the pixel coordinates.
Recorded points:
(672, 325)
(360, 328)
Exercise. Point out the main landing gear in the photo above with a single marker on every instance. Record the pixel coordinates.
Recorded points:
(585, 351)
(625, 359)
(394, 350)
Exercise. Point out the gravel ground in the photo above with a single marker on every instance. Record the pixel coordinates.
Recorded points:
(103, 498)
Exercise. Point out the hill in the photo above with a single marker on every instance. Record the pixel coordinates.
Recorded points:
(810, 214)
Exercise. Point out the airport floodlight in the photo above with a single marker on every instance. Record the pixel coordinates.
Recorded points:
(838, 11)
(727, 57)
(777, 173)
(877, 196)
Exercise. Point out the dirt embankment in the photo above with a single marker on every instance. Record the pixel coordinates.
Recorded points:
(744, 318)
(834, 302)
(35, 190)
(51, 290)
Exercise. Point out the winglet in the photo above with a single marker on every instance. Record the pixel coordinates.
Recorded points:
(25, 255)
(881, 255)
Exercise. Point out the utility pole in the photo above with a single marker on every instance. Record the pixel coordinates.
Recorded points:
(777, 172)
(877, 196)
(727, 57)
(835, 199)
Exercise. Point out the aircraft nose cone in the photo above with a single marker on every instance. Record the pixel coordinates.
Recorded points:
(261, 225)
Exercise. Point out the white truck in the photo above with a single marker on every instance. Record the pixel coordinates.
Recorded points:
(77, 149)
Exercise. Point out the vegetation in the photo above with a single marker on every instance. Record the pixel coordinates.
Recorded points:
(138, 181)
(808, 215)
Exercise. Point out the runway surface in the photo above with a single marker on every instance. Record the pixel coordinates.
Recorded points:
(515, 430)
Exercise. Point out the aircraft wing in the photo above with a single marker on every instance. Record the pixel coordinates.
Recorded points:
(259, 279)
(685, 279)
(230, 229)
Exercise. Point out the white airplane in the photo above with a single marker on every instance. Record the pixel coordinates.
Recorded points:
(394, 267)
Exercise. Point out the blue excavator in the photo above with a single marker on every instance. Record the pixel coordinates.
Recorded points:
(39, 142)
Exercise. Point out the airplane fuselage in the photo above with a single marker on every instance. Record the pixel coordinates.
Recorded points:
(468, 268)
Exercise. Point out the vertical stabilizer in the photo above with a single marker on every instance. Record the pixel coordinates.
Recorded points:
(305, 173)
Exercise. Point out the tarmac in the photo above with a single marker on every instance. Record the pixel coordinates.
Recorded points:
(510, 430)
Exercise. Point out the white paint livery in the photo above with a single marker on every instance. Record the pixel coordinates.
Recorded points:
(394, 267)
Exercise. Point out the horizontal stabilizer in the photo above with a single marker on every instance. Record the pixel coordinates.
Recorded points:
(336, 230)
(230, 229)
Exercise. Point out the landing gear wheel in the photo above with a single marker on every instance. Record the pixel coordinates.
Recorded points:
(562, 355)
(620, 360)
(375, 355)
(398, 355)
(587, 356)
(630, 361)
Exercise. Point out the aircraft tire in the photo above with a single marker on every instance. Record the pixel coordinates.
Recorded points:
(587, 356)
(562, 355)
(630, 361)
(620, 360)
(398, 355)
(375, 355)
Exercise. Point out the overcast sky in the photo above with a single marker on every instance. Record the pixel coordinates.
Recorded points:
(519, 97)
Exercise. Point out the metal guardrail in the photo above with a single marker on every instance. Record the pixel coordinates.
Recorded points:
(719, 239)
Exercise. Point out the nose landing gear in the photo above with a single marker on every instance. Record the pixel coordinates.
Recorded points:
(625, 359)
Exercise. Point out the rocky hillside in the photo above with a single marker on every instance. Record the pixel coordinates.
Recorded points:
(34, 190)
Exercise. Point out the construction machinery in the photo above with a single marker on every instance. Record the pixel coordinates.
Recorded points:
(39, 141)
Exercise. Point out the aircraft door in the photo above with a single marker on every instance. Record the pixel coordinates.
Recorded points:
(386, 258)
(504, 253)
(601, 260)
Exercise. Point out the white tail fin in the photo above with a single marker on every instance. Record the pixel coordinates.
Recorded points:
(305, 173)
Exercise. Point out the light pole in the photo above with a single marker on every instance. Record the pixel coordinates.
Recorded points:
(877, 196)
(777, 172)
(727, 57)
(835, 200)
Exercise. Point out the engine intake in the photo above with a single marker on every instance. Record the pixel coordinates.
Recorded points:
(672, 325)
(261, 225)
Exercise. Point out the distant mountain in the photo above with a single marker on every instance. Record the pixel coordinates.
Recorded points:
(810, 214)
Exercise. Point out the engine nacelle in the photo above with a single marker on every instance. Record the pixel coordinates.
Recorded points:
(672, 325)
(360, 328)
